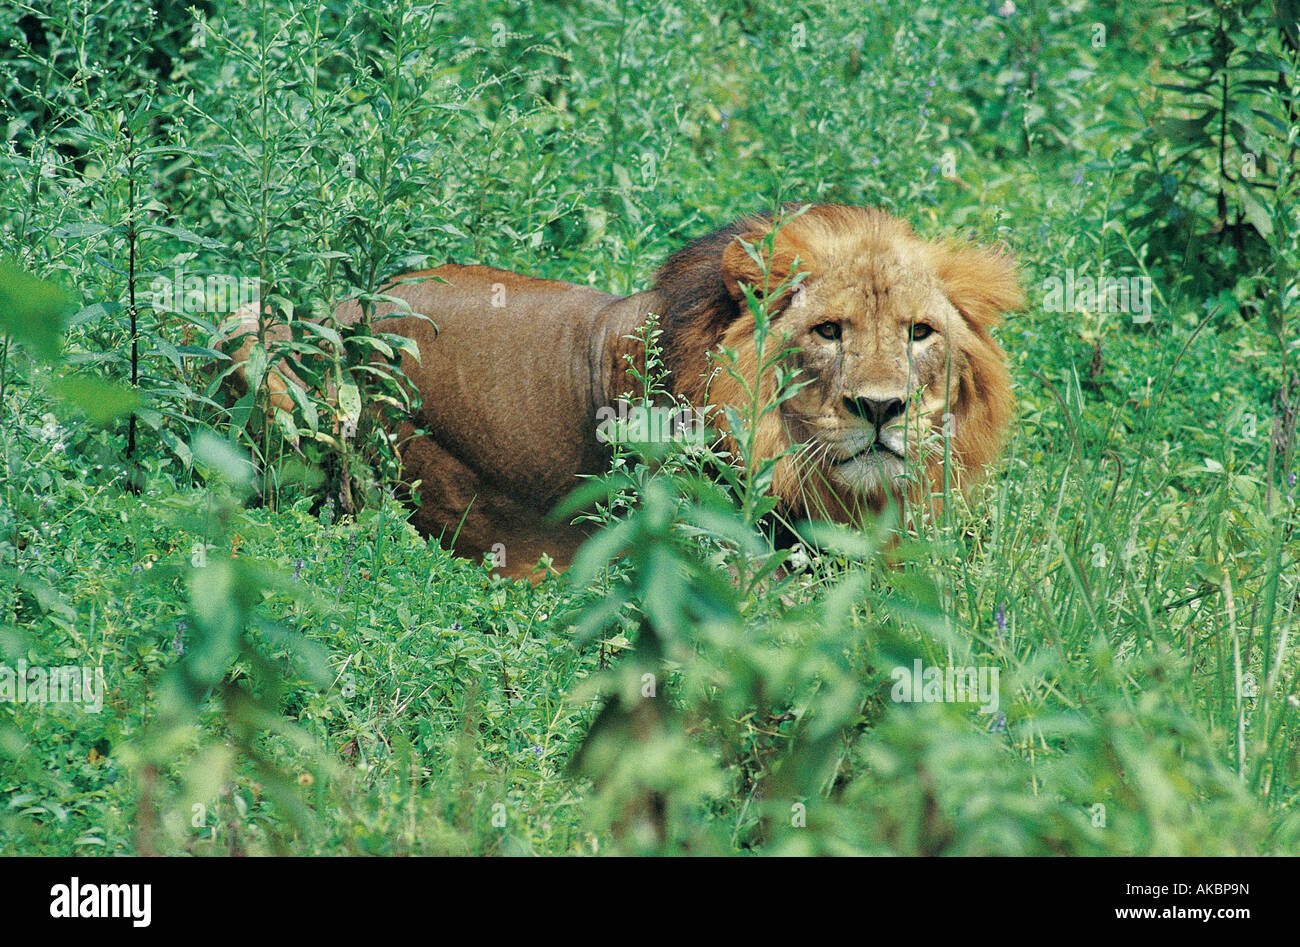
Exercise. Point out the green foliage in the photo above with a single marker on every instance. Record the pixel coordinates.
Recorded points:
(31, 311)
(1212, 175)
(288, 667)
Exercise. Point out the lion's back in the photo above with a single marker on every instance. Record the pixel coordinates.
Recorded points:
(505, 371)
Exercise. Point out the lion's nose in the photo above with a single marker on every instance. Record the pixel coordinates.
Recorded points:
(876, 410)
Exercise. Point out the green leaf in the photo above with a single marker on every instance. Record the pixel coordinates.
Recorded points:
(99, 399)
(215, 605)
(285, 420)
(600, 550)
(178, 447)
(94, 313)
(305, 404)
(219, 458)
(1183, 130)
(350, 400)
(1256, 213)
(31, 311)
(255, 369)
(81, 230)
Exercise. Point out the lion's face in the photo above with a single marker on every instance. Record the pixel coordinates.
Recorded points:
(891, 346)
(882, 350)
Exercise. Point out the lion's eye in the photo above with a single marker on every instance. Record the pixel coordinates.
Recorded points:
(828, 330)
(920, 331)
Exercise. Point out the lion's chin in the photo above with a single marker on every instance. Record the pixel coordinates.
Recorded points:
(870, 473)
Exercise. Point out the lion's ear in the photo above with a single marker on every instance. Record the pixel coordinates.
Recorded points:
(739, 267)
(982, 283)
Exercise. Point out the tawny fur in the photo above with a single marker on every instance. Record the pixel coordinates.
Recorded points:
(517, 368)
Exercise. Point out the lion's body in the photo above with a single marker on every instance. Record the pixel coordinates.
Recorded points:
(515, 374)
(510, 383)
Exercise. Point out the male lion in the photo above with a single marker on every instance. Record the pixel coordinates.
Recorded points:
(891, 334)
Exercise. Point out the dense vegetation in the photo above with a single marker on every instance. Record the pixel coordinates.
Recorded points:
(289, 668)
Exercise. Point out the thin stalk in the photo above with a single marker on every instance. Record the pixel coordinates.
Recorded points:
(131, 237)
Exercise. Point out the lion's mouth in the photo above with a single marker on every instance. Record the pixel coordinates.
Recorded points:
(875, 447)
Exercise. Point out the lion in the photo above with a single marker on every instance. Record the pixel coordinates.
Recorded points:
(904, 389)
